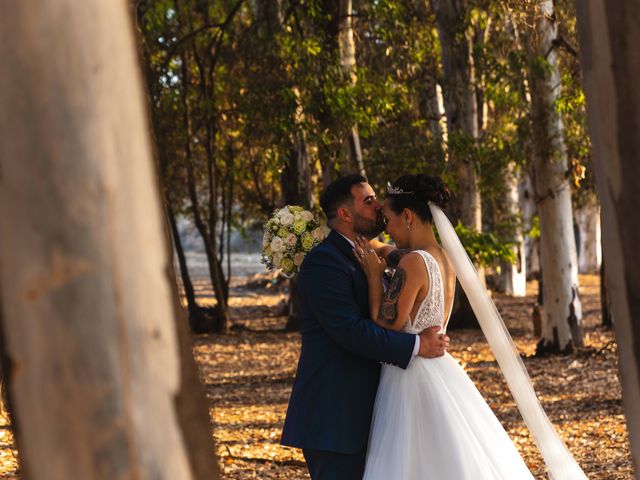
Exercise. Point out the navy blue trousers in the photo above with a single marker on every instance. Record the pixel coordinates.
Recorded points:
(335, 466)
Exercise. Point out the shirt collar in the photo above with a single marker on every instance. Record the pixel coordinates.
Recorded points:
(351, 242)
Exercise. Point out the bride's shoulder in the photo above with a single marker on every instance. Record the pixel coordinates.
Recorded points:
(412, 262)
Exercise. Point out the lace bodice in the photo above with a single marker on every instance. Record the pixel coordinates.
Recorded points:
(431, 311)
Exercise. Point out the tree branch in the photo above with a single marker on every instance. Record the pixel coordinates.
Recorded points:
(562, 42)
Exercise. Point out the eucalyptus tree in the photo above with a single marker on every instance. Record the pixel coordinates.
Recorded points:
(348, 63)
(562, 309)
(460, 105)
(106, 387)
(185, 47)
(608, 35)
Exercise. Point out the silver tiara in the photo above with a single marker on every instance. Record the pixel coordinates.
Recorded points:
(391, 190)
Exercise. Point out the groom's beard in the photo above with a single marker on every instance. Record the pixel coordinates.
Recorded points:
(369, 228)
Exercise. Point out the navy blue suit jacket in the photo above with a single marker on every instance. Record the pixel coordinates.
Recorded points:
(334, 390)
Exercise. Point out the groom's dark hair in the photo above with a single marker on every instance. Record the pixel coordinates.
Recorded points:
(338, 193)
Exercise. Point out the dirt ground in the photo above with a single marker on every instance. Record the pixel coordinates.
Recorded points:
(248, 376)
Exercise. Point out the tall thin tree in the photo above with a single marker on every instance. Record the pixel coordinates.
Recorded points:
(461, 110)
(347, 48)
(99, 370)
(562, 309)
(460, 104)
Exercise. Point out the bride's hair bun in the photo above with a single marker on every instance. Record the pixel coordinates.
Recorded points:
(432, 189)
(416, 191)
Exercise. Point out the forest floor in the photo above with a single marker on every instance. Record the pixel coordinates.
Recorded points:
(248, 376)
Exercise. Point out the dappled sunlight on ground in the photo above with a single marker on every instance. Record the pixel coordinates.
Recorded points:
(248, 376)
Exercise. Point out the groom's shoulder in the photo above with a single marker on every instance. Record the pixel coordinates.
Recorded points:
(323, 252)
(326, 254)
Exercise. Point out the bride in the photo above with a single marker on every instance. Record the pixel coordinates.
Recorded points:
(430, 421)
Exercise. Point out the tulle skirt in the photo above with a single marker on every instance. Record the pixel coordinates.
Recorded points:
(431, 423)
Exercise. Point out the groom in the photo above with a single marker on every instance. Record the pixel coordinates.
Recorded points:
(332, 399)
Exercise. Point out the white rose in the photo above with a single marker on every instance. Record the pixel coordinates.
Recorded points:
(318, 234)
(298, 258)
(266, 239)
(277, 260)
(290, 240)
(306, 215)
(286, 219)
(282, 211)
(276, 245)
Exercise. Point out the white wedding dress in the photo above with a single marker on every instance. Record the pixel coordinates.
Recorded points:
(430, 422)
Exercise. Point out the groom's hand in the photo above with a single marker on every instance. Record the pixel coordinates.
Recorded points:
(432, 344)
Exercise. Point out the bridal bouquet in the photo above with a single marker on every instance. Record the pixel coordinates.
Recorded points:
(289, 235)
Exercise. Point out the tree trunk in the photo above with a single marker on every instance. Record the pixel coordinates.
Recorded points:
(347, 48)
(609, 34)
(513, 277)
(433, 111)
(162, 154)
(215, 247)
(5, 411)
(460, 105)
(532, 249)
(605, 299)
(562, 310)
(479, 41)
(590, 249)
(295, 180)
(223, 320)
(268, 15)
(209, 225)
(529, 211)
(220, 287)
(189, 292)
(190, 400)
(297, 189)
(326, 24)
(100, 387)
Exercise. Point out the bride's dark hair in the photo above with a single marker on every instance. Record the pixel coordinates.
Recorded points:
(415, 191)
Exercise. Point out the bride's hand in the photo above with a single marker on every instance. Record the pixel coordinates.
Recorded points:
(372, 265)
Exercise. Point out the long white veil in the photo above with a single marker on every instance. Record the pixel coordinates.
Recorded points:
(560, 463)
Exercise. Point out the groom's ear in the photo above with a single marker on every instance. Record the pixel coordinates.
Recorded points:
(344, 214)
